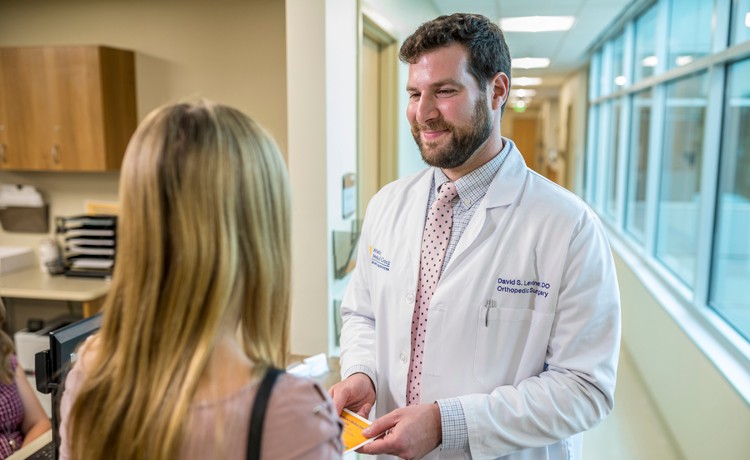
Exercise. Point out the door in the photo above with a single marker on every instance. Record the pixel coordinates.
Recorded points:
(524, 135)
(369, 159)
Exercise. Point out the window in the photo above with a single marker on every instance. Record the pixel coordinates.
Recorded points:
(610, 183)
(740, 21)
(618, 64)
(731, 255)
(645, 45)
(594, 72)
(679, 196)
(690, 29)
(640, 130)
(592, 153)
(602, 153)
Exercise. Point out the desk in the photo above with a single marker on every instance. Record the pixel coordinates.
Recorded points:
(33, 284)
(32, 447)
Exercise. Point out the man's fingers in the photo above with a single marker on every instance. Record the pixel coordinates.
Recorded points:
(364, 411)
(380, 425)
(339, 399)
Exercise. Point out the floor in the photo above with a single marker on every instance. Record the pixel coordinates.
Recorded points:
(633, 431)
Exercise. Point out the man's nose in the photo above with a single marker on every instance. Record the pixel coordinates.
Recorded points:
(426, 110)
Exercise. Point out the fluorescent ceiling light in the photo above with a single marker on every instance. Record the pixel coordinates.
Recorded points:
(747, 19)
(520, 93)
(620, 80)
(649, 61)
(530, 63)
(527, 81)
(537, 23)
(682, 60)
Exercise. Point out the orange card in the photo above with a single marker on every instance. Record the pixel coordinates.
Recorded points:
(352, 432)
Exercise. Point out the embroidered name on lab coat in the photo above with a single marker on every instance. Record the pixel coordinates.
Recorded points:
(519, 286)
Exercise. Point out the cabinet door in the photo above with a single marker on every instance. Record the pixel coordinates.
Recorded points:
(76, 123)
(24, 110)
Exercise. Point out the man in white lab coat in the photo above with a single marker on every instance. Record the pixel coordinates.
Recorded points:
(519, 351)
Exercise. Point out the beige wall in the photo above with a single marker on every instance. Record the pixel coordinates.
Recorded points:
(233, 51)
(704, 413)
(572, 134)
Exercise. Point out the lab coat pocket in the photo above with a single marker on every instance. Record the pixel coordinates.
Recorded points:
(511, 345)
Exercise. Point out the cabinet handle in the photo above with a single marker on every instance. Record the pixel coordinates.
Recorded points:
(2, 154)
(55, 153)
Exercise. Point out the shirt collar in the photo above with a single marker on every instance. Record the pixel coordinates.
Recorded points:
(473, 186)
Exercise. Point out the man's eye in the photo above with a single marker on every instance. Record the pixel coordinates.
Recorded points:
(413, 95)
(446, 92)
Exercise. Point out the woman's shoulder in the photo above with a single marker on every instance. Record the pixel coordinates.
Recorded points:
(300, 406)
(300, 395)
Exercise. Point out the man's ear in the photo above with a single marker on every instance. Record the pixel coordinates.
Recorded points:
(500, 88)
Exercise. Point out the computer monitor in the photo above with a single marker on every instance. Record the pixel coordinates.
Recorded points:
(52, 365)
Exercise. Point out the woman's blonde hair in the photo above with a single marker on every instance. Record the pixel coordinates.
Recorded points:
(203, 247)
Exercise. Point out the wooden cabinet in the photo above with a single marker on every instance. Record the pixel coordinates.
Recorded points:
(66, 108)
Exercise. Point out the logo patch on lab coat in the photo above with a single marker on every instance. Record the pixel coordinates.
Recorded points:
(379, 260)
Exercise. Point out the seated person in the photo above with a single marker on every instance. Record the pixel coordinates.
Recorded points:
(22, 418)
(198, 308)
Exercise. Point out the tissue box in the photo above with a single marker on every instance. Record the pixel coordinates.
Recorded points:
(14, 258)
(27, 219)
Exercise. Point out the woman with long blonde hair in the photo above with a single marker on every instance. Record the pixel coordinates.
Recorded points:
(198, 308)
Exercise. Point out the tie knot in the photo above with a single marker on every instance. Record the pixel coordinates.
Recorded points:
(447, 192)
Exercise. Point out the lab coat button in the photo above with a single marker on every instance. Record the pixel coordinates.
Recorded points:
(410, 298)
(403, 358)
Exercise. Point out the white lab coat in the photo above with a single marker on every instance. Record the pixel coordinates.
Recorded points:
(533, 369)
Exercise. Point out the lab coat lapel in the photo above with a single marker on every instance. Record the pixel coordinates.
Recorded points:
(416, 213)
(503, 190)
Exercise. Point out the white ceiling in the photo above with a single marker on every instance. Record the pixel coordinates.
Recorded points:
(566, 50)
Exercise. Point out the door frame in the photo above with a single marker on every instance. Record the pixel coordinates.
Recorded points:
(375, 29)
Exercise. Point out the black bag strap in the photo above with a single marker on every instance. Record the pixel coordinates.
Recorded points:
(259, 412)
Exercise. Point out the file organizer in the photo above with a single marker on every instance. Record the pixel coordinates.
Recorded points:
(89, 244)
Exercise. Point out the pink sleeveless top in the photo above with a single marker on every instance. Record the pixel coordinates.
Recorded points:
(300, 422)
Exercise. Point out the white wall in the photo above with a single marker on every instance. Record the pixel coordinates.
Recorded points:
(322, 64)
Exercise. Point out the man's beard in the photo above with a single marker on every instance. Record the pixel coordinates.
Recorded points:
(464, 142)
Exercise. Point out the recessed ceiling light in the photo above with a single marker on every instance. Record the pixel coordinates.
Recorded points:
(530, 63)
(521, 93)
(537, 23)
(527, 81)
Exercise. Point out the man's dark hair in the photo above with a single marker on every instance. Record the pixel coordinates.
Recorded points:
(485, 42)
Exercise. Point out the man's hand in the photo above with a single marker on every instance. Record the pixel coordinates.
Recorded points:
(356, 393)
(411, 432)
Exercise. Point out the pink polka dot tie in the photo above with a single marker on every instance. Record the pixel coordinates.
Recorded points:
(437, 233)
